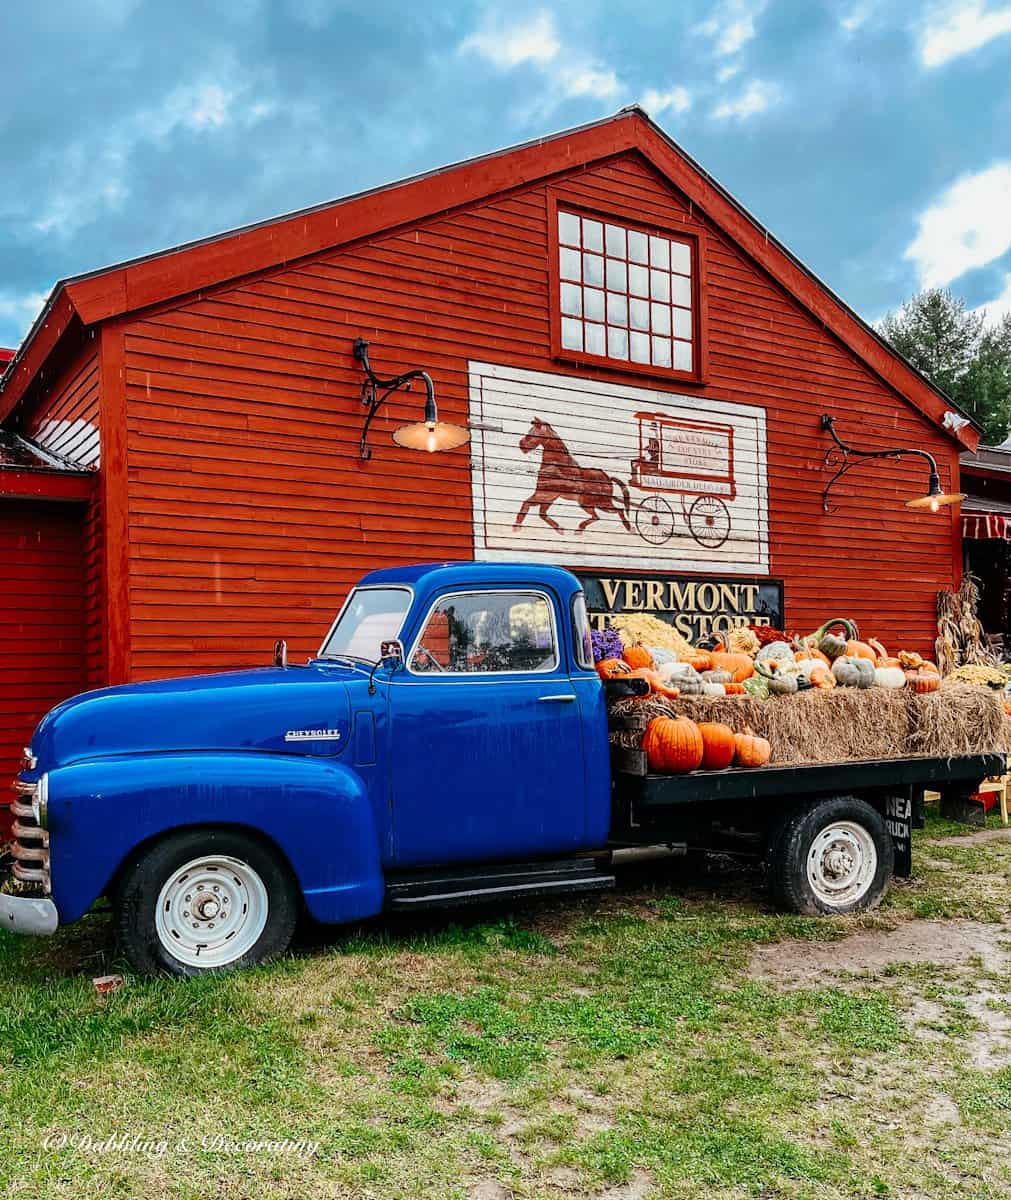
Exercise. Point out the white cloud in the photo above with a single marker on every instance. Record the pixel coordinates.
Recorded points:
(533, 41)
(999, 307)
(569, 73)
(756, 97)
(725, 74)
(589, 80)
(856, 16)
(960, 27)
(968, 226)
(22, 310)
(676, 100)
(731, 26)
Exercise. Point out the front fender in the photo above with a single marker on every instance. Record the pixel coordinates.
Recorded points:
(316, 811)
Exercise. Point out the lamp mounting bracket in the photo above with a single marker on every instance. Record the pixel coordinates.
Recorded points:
(376, 389)
(844, 458)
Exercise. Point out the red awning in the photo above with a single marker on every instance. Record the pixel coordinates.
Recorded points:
(986, 525)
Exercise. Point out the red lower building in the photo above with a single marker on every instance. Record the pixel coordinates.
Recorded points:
(642, 366)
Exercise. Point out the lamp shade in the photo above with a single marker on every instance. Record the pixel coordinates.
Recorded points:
(431, 436)
(934, 501)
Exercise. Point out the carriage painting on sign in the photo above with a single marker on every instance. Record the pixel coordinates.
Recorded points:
(579, 472)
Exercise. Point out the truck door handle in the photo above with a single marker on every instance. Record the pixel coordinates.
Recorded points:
(564, 698)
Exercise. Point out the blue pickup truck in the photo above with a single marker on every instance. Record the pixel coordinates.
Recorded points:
(448, 744)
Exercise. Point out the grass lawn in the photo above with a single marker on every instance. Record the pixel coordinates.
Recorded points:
(623, 1046)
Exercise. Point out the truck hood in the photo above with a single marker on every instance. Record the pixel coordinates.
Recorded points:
(291, 710)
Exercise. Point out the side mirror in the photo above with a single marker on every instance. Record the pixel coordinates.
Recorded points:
(392, 652)
(280, 653)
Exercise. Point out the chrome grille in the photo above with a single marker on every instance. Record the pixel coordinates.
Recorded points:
(30, 849)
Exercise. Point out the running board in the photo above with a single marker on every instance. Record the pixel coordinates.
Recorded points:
(494, 881)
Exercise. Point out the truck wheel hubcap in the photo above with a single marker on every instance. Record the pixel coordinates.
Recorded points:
(211, 912)
(842, 863)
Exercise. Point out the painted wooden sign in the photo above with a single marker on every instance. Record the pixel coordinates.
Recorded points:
(696, 607)
(578, 472)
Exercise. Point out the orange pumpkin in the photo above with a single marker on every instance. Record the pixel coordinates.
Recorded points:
(701, 660)
(856, 649)
(923, 681)
(808, 648)
(717, 745)
(750, 750)
(734, 689)
(1007, 707)
(656, 684)
(740, 666)
(822, 677)
(613, 668)
(672, 744)
(638, 656)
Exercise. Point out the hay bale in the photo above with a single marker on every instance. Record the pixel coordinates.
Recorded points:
(961, 718)
(841, 724)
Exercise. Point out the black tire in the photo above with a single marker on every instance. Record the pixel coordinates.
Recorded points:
(144, 878)
(793, 840)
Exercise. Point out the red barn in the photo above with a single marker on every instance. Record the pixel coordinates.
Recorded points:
(634, 354)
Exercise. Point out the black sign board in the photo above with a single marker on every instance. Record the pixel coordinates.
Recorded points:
(697, 606)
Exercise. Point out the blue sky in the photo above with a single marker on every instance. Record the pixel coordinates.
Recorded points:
(873, 138)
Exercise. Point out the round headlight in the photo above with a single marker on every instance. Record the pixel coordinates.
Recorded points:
(40, 802)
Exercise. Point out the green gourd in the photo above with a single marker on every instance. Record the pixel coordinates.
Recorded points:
(831, 644)
(717, 677)
(688, 685)
(853, 672)
(778, 682)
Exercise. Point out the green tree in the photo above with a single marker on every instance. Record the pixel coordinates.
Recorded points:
(952, 347)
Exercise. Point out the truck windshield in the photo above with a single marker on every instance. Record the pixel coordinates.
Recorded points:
(370, 617)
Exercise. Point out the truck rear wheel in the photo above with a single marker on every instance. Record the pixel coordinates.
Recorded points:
(833, 856)
(205, 900)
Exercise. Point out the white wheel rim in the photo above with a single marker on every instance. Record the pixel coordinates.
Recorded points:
(211, 912)
(842, 863)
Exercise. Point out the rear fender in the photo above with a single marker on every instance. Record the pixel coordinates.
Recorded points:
(316, 811)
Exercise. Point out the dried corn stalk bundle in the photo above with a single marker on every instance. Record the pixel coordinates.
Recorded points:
(959, 633)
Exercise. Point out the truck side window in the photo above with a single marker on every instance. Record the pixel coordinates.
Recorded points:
(482, 632)
(582, 646)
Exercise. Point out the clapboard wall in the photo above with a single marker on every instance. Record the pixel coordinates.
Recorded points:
(250, 513)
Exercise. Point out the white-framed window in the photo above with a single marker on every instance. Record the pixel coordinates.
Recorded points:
(626, 294)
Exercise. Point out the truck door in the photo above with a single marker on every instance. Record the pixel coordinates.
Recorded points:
(486, 747)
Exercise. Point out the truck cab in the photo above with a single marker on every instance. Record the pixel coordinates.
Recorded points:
(451, 716)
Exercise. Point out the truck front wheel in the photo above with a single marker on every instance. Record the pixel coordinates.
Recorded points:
(833, 856)
(205, 900)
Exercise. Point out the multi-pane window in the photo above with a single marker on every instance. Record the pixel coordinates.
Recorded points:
(625, 294)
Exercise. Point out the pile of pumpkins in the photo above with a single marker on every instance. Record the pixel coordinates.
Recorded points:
(677, 744)
(833, 656)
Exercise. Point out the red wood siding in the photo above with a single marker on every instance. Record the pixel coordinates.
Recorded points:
(250, 514)
(50, 570)
(41, 621)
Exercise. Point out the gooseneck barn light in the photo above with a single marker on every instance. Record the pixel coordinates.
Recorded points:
(842, 457)
(431, 434)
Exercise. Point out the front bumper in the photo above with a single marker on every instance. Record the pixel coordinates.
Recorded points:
(28, 914)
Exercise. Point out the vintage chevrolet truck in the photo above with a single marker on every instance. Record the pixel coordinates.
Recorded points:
(448, 744)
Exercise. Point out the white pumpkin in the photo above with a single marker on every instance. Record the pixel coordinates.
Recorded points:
(806, 665)
(671, 672)
(713, 689)
(889, 677)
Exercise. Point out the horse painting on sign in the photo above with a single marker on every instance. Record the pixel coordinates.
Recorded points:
(562, 478)
(584, 472)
